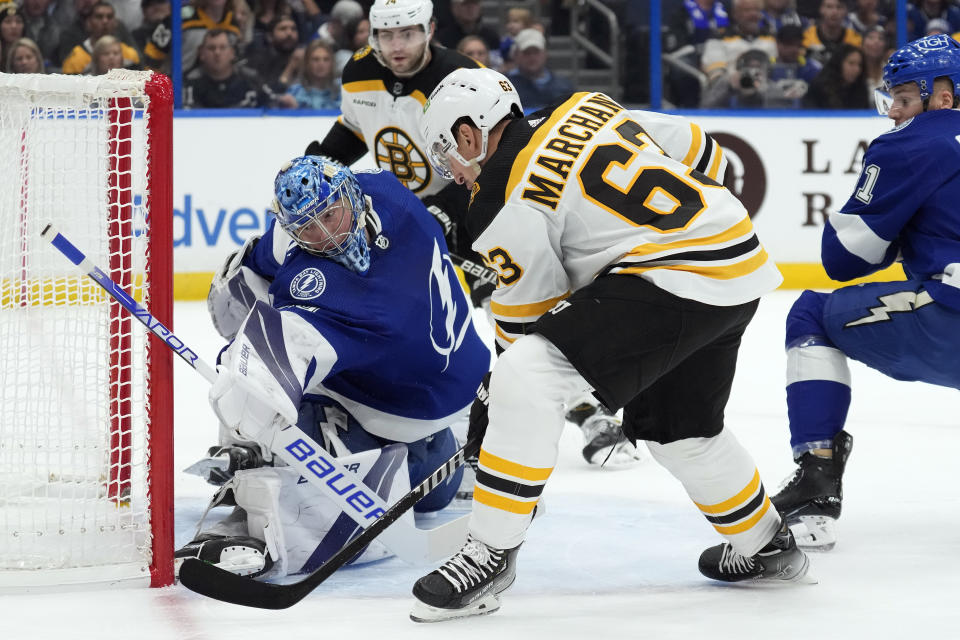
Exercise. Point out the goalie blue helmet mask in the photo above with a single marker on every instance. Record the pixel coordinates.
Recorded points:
(320, 204)
(922, 61)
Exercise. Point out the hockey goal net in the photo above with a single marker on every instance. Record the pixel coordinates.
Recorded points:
(85, 397)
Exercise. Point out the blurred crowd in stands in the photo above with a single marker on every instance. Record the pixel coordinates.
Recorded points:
(289, 53)
(819, 54)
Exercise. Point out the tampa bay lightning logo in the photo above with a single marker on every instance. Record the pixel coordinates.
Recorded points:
(449, 314)
(308, 284)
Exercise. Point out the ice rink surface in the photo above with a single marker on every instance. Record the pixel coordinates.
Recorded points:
(616, 554)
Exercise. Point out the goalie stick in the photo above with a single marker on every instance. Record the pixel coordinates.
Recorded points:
(292, 445)
(213, 582)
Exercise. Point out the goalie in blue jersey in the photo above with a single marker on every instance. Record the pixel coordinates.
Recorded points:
(904, 208)
(347, 318)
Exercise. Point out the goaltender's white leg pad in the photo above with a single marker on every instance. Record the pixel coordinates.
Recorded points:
(294, 517)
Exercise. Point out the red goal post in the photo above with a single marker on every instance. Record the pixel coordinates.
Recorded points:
(86, 397)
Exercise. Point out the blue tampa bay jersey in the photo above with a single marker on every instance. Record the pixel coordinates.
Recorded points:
(907, 203)
(407, 357)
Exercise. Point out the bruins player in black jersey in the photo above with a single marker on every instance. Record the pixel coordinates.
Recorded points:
(625, 271)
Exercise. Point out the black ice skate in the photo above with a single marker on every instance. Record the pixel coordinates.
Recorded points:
(237, 554)
(604, 442)
(468, 584)
(780, 559)
(810, 499)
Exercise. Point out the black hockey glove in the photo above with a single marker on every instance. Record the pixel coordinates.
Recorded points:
(447, 225)
(313, 149)
(478, 415)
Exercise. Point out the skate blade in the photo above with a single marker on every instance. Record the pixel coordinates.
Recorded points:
(815, 533)
(804, 576)
(422, 612)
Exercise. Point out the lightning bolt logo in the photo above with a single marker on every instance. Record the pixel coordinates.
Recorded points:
(899, 302)
(445, 338)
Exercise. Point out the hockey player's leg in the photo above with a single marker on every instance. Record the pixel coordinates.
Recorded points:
(530, 385)
(818, 397)
(724, 483)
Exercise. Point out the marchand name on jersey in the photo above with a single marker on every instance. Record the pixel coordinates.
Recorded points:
(575, 129)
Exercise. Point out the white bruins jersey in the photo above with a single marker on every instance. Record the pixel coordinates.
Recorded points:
(589, 188)
(384, 112)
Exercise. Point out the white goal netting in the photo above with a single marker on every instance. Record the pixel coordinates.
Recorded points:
(75, 383)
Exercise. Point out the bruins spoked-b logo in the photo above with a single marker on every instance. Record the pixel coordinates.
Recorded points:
(397, 153)
(308, 284)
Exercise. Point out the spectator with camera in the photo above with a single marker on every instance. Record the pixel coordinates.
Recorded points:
(752, 70)
(723, 60)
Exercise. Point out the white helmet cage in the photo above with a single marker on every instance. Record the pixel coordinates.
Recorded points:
(393, 14)
(483, 95)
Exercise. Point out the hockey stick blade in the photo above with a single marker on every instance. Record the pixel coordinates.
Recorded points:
(216, 583)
